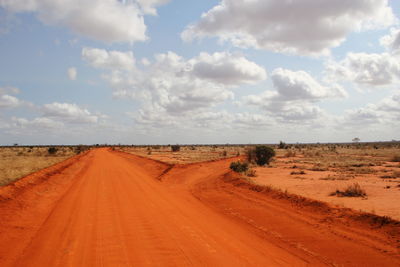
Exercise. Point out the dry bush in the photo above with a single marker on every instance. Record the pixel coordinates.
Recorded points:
(175, 148)
(395, 158)
(290, 153)
(318, 168)
(362, 170)
(297, 173)
(394, 175)
(251, 172)
(353, 190)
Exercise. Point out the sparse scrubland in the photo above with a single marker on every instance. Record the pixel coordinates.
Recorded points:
(16, 162)
(262, 203)
(321, 171)
(326, 172)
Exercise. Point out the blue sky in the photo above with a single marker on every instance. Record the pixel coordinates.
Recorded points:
(159, 71)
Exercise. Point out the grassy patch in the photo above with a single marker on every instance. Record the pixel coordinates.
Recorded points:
(17, 162)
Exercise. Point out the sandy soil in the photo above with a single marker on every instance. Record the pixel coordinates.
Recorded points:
(107, 208)
(382, 194)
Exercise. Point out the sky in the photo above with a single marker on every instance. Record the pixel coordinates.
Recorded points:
(198, 72)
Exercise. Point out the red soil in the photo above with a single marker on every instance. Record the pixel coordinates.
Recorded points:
(112, 209)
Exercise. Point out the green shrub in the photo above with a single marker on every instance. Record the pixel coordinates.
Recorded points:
(239, 166)
(260, 154)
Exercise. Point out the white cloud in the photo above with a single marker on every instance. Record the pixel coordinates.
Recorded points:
(37, 123)
(105, 20)
(391, 105)
(177, 85)
(361, 116)
(72, 73)
(227, 68)
(295, 92)
(148, 6)
(247, 120)
(6, 98)
(383, 113)
(209, 120)
(365, 69)
(145, 62)
(103, 59)
(305, 27)
(8, 101)
(392, 41)
(292, 85)
(68, 113)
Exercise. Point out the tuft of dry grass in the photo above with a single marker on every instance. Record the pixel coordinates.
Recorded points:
(353, 190)
(318, 168)
(290, 153)
(339, 177)
(394, 175)
(298, 172)
(251, 172)
(395, 158)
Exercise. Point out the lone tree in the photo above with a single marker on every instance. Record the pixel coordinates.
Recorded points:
(261, 155)
(356, 140)
(282, 145)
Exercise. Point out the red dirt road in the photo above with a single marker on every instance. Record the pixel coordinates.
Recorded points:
(113, 209)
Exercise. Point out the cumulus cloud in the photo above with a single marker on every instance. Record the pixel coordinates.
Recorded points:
(103, 59)
(301, 27)
(211, 120)
(7, 100)
(148, 6)
(105, 20)
(292, 85)
(72, 73)
(249, 120)
(365, 69)
(294, 96)
(383, 113)
(288, 111)
(361, 116)
(392, 41)
(68, 112)
(36, 123)
(174, 84)
(227, 68)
